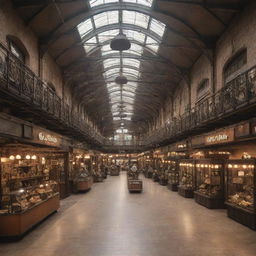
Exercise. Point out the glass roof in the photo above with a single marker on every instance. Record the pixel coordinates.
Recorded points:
(94, 3)
(143, 31)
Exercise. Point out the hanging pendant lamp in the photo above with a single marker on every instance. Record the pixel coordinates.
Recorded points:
(120, 43)
(121, 80)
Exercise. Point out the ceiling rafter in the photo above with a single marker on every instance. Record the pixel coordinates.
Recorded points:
(83, 59)
(85, 14)
(209, 4)
(113, 27)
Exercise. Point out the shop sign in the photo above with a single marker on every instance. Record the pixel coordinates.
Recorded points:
(220, 137)
(181, 145)
(242, 130)
(47, 138)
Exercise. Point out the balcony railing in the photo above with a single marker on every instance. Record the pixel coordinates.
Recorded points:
(238, 94)
(19, 82)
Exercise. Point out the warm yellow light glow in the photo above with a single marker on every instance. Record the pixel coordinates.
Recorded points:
(12, 157)
(28, 157)
(18, 157)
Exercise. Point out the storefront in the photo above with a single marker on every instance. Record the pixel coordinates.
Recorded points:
(225, 170)
(33, 175)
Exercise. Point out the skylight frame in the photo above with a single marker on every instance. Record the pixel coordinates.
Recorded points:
(106, 18)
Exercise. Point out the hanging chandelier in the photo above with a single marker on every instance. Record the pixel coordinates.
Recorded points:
(121, 79)
(120, 43)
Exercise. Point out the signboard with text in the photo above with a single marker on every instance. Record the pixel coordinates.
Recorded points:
(220, 137)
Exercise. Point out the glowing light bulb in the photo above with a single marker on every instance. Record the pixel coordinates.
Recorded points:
(18, 157)
(28, 157)
(12, 157)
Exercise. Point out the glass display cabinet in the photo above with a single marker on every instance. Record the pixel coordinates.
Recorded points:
(28, 193)
(163, 174)
(173, 175)
(187, 178)
(210, 183)
(83, 180)
(240, 191)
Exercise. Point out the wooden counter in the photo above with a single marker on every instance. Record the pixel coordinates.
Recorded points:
(14, 226)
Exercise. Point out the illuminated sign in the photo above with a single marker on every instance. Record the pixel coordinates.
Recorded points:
(220, 137)
(47, 138)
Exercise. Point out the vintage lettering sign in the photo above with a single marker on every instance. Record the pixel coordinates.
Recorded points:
(47, 138)
(220, 137)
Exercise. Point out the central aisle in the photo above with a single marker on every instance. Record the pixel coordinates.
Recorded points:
(108, 221)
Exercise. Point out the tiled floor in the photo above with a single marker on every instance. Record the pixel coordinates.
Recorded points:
(108, 221)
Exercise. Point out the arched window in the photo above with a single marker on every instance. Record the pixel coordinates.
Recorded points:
(17, 48)
(203, 89)
(235, 64)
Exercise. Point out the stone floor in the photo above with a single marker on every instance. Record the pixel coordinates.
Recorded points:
(108, 221)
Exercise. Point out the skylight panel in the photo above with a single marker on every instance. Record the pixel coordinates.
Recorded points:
(135, 49)
(106, 18)
(90, 44)
(115, 98)
(129, 93)
(94, 3)
(135, 36)
(131, 72)
(111, 62)
(129, 88)
(85, 27)
(113, 89)
(152, 44)
(128, 99)
(112, 72)
(157, 26)
(131, 62)
(136, 18)
(107, 35)
(141, 2)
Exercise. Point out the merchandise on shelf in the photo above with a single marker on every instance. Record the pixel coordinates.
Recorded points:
(25, 181)
(187, 178)
(173, 175)
(210, 183)
(240, 191)
(240, 186)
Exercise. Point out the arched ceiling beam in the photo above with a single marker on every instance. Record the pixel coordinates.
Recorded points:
(106, 28)
(84, 59)
(85, 14)
(35, 3)
(204, 7)
(131, 67)
(210, 4)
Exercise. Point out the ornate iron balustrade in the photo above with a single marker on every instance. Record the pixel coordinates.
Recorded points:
(19, 82)
(238, 94)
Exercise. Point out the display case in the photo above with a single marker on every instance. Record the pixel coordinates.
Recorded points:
(187, 178)
(155, 175)
(163, 174)
(83, 180)
(210, 183)
(134, 184)
(149, 172)
(240, 191)
(114, 170)
(173, 175)
(27, 185)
